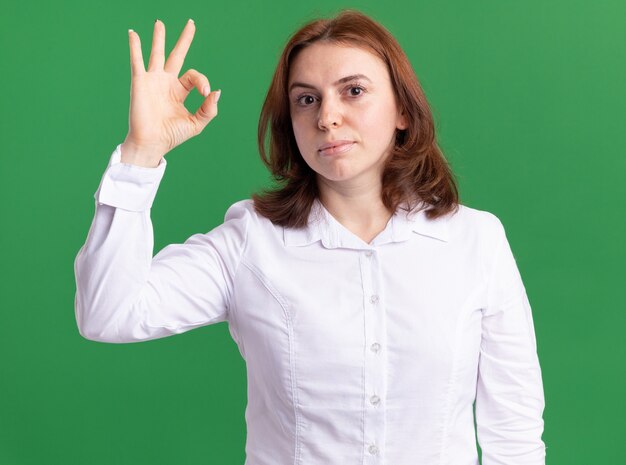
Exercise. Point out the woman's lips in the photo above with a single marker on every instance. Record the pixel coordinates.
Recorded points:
(337, 148)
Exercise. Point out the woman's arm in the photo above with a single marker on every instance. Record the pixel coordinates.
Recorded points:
(123, 294)
(509, 397)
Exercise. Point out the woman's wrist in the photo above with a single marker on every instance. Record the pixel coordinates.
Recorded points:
(133, 154)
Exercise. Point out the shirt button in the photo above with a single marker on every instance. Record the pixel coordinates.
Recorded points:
(373, 449)
(375, 400)
(368, 253)
(374, 299)
(375, 347)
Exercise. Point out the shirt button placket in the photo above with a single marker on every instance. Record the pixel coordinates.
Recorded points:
(375, 362)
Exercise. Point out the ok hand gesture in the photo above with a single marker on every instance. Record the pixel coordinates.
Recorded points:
(158, 119)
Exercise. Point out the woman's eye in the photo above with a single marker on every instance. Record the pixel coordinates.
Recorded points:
(306, 100)
(356, 91)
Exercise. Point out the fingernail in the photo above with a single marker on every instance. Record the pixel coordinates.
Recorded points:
(205, 91)
(130, 30)
(190, 21)
(156, 20)
(217, 95)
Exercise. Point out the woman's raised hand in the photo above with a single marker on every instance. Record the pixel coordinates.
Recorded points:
(158, 119)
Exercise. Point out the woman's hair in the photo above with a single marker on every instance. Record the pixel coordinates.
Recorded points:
(415, 172)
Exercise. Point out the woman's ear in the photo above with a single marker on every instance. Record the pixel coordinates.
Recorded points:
(402, 122)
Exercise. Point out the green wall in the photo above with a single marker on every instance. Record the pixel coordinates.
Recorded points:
(530, 104)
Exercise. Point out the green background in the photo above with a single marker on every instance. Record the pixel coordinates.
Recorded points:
(530, 103)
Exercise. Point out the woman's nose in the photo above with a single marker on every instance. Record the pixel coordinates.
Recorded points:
(329, 116)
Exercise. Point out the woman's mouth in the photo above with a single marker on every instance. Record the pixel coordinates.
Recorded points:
(336, 148)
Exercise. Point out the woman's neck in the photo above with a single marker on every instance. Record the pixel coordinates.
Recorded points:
(358, 209)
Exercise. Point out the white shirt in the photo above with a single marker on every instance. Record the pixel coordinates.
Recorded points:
(356, 353)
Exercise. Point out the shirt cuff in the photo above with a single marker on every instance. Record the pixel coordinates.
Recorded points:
(129, 187)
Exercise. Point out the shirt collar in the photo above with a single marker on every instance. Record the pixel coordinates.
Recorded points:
(322, 226)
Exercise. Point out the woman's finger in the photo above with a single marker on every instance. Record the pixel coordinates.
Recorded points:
(177, 56)
(157, 56)
(207, 111)
(136, 58)
(193, 78)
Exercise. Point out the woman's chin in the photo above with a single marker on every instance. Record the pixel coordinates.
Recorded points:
(337, 176)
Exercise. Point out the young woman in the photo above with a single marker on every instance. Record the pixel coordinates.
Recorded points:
(371, 308)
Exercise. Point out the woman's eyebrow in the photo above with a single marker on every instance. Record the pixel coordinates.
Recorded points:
(336, 83)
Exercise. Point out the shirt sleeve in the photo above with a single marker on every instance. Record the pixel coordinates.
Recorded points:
(123, 294)
(509, 397)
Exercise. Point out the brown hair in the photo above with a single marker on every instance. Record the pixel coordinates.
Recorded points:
(415, 171)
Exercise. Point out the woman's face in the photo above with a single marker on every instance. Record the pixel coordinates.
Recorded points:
(343, 113)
